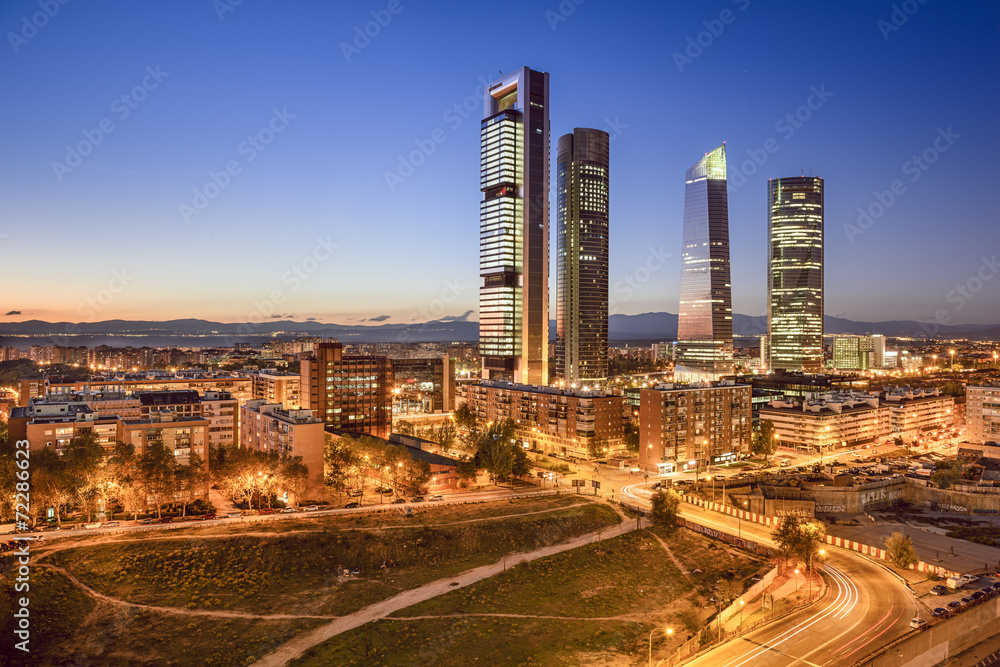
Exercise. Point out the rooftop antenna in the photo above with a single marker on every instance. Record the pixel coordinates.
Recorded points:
(501, 72)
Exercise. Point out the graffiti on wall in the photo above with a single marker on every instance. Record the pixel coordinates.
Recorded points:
(831, 508)
(880, 497)
(945, 507)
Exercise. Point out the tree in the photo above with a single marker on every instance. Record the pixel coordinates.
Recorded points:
(157, 474)
(8, 475)
(338, 460)
(762, 442)
(190, 477)
(123, 467)
(293, 476)
(631, 438)
(899, 550)
(521, 466)
(597, 447)
(496, 449)
(664, 506)
(798, 539)
(465, 418)
(51, 482)
(467, 470)
(405, 428)
(84, 459)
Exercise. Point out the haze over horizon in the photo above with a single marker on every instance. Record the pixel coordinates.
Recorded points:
(306, 134)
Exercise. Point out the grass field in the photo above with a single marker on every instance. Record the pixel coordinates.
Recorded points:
(628, 584)
(301, 573)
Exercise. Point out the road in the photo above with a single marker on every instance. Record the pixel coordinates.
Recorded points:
(866, 606)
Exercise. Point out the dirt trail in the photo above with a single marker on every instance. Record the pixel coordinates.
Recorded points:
(670, 553)
(297, 646)
(173, 610)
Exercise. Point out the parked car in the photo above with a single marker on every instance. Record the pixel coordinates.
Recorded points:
(955, 604)
(386, 491)
(970, 578)
(207, 517)
(940, 612)
(166, 519)
(311, 508)
(146, 522)
(234, 515)
(939, 590)
(88, 526)
(978, 596)
(918, 622)
(352, 505)
(266, 510)
(966, 602)
(417, 499)
(288, 510)
(110, 524)
(436, 498)
(398, 501)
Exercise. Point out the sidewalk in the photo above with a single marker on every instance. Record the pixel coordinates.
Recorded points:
(787, 589)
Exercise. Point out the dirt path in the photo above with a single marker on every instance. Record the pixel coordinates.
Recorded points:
(670, 553)
(297, 646)
(642, 618)
(173, 610)
(49, 549)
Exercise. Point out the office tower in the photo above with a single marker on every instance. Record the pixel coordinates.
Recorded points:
(705, 317)
(514, 229)
(858, 352)
(348, 392)
(582, 166)
(795, 274)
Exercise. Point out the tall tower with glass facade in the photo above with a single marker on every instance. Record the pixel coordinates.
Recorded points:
(795, 274)
(514, 229)
(705, 317)
(582, 166)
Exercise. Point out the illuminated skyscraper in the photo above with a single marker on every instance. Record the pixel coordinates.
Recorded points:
(795, 274)
(705, 317)
(582, 165)
(514, 229)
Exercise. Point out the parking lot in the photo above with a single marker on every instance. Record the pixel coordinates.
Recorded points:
(951, 602)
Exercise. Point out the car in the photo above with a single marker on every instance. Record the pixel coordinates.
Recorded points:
(978, 596)
(110, 524)
(89, 526)
(939, 590)
(207, 517)
(311, 508)
(966, 601)
(970, 578)
(657, 485)
(352, 505)
(954, 604)
(918, 622)
(266, 510)
(996, 586)
(398, 501)
(54, 526)
(940, 612)
(234, 515)
(417, 499)
(438, 497)
(288, 510)
(386, 491)
(146, 522)
(166, 519)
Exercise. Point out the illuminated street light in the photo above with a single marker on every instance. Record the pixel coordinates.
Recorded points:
(667, 631)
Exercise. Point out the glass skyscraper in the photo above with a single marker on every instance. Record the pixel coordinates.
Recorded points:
(582, 166)
(795, 274)
(705, 317)
(514, 229)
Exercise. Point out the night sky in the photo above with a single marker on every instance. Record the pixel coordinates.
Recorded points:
(316, 216)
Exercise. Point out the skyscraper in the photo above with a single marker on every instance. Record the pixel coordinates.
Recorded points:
(795, 274)
(514, 228)
(705, 317)
(582, 166)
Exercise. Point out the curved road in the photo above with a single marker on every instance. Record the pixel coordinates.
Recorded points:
(866, 607)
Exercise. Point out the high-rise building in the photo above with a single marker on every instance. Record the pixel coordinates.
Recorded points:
(348, 392)
(982, 413)
(582, 166)
(269, 427)
(514, 228)
(795, 274)
(858, 352)
(705, 317)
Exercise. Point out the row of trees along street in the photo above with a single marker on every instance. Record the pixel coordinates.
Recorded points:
(85, 477)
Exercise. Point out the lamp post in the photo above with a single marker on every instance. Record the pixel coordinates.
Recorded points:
(821, 552)
(797, 582)
(952, 353)
(668, 631)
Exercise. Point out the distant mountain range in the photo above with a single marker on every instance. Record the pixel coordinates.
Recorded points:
(202, 333)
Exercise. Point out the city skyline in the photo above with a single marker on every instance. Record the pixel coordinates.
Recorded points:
(177, 115)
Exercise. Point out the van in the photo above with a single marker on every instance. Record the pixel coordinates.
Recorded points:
(954, 583)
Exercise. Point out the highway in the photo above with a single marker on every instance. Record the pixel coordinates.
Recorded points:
(865, 607)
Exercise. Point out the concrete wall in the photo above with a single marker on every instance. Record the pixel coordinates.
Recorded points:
(949, 500)
(942, 640)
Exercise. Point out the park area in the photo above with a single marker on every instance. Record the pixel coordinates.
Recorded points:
(230, 595)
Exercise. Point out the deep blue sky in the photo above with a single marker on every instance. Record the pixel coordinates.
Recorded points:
(401, 249)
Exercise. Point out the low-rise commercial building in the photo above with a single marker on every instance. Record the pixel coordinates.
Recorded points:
(912, 412)
(829, 421)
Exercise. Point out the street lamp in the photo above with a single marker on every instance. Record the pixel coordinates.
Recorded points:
(668, 631)
(952, 353)
(821, 552)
